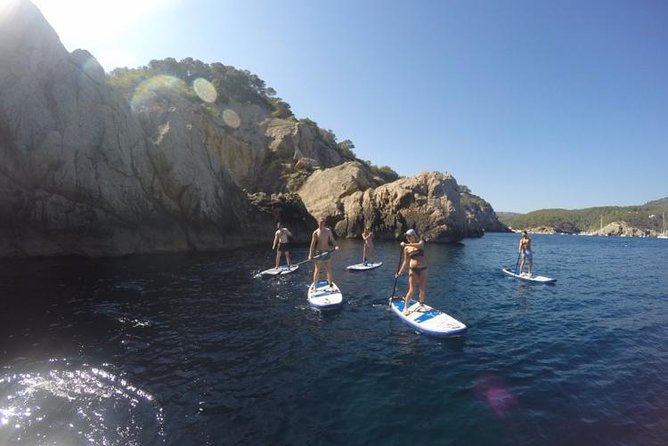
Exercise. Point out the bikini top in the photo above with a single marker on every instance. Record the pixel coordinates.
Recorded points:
(416, 253)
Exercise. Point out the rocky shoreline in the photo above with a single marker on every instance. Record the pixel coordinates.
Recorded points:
(617, 228)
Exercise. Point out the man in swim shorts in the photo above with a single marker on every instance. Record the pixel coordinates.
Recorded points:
(282, 244)
(525, 251)
(320, 251)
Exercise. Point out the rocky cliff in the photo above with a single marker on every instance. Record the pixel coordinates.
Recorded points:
(189, 157)
(83, 172)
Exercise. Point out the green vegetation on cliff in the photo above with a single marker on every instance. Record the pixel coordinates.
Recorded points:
(646, 216)
(230, 83)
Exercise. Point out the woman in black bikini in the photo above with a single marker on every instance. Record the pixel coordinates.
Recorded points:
(417, 268)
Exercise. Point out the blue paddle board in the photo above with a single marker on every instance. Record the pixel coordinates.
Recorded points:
(427, 320)
(324, 297)
(364, 266)
(279, 271)
(532, 278)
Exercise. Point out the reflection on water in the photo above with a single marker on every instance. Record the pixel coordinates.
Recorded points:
(66, 405)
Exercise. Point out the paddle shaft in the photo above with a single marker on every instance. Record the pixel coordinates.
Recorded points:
(517, 264)
(396, 277)
(314, 257)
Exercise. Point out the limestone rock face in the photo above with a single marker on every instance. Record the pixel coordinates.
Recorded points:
(297, 140)
(289, 210)
(480, 217)
(82, 173)
(295, 150)
(324, 190)
(622, 228)
(429, 203)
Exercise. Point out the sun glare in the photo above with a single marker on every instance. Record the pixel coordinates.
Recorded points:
(99, 25)
(5, 5)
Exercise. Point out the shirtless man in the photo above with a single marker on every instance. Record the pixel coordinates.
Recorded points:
(525, 251)
(367, 236)
(321, 240)
(281, 244)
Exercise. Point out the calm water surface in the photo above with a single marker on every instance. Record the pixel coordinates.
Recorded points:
(193, 350)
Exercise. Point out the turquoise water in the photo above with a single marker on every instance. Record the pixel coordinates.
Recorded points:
(192, 349)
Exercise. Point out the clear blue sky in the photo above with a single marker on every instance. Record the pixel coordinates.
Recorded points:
(532, 104)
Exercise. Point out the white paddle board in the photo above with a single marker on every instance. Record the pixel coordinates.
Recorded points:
(364, 266)
(322, 296)
(540, 279)
(280, 270)
(427, 320)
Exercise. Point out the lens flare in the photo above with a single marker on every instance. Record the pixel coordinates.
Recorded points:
(149, 89)
(494, 392)
(231, 118)
(205, 90)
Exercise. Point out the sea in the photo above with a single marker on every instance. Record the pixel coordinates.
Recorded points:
(194, 349)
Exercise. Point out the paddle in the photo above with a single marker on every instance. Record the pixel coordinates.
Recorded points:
(517, 264)
(315, 257)
(396, 277)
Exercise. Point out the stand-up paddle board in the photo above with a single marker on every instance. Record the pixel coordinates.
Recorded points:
(427, 320)
(324, 297)
(539, 279)
(279, 271)
(364, 266)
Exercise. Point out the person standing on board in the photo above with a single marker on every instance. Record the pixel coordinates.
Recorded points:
(367, 236)
(417, 268)
(321, 240)
(282, 244)
(525, 251)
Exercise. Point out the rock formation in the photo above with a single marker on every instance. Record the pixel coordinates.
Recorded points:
(82, 173)
(89, 167)
(480, 217)
(429, 203)
(622, 228)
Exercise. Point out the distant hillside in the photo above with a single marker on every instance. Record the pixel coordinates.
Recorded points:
(645, 217)
(503, 216)
(661, 202)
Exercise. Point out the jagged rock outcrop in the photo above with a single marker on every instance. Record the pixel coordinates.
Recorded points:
(622, 228)
(480, 217)
(289, 210)
(346, 195)
(540, 230)
(557, 228)
(429, 203)
(324, 190)
(296, 149)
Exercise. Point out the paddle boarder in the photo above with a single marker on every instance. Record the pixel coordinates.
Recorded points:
(282, 244)
(417, 268)
(321, 241)
(525, 251)
(367, 236)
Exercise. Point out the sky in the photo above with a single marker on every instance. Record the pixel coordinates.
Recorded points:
(531, 104)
